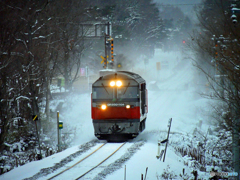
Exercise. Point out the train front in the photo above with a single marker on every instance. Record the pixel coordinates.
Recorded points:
(116, 110)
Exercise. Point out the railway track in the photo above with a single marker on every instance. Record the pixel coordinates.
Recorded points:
(85, 165)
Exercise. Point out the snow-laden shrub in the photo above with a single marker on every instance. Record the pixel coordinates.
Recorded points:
(201, 151)
(167, 174)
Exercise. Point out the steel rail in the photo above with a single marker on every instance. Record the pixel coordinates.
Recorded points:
(100, 162)
(77, 162)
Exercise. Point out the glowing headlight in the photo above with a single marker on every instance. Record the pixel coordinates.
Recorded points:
(119, 83)
(103, 107)
(112, 83)
(127, 106)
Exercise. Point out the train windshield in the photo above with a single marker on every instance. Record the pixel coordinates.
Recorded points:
(127, 92)
(102, 93)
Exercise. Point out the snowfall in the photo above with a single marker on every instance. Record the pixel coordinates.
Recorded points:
(173, 92)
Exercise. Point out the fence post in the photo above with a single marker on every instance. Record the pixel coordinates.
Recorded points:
(16, 161)
(170, 122)
(125, 173)
(146, 174)
(195, 174)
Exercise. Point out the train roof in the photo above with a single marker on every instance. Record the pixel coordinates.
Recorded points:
(122, 75)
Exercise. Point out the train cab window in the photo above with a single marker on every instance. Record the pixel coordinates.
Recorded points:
(127, 92)
(102, 93)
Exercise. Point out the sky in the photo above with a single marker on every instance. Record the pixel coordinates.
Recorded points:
(172, 93)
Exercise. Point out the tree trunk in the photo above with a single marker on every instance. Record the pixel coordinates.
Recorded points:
(47, 109)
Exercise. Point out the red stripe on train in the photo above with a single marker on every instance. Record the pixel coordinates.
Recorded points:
(116, 113)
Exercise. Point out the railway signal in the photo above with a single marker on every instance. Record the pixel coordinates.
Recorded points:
(108, 45)
(60, 125)
(119, 65)
(104, 60)
(112, 50)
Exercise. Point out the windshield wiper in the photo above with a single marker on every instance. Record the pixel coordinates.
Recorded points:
(105, 88)
(126, 88)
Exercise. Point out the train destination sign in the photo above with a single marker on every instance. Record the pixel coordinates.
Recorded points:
(116, 104)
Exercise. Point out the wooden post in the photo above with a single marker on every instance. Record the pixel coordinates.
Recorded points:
(146, 174)
(170, 122)
(125, 173)
(195, 174)
(16, 161)
(158, 151)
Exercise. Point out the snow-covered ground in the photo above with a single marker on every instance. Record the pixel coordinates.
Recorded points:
(172, 94)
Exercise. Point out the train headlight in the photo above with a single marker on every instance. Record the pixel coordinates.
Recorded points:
(119, 83)
(128, 106)
(112, 83)
(103, 107)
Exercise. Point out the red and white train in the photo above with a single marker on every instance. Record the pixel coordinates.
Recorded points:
(119, 105)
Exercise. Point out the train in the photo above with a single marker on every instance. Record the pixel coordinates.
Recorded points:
(119, 105)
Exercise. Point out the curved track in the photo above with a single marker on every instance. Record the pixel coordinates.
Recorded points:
(85, 167)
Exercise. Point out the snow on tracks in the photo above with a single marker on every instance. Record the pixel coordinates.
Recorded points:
(111, 165)
(83, 148)
(119, 162)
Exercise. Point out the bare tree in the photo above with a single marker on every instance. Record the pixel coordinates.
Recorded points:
(22, 61)
(217, 47)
